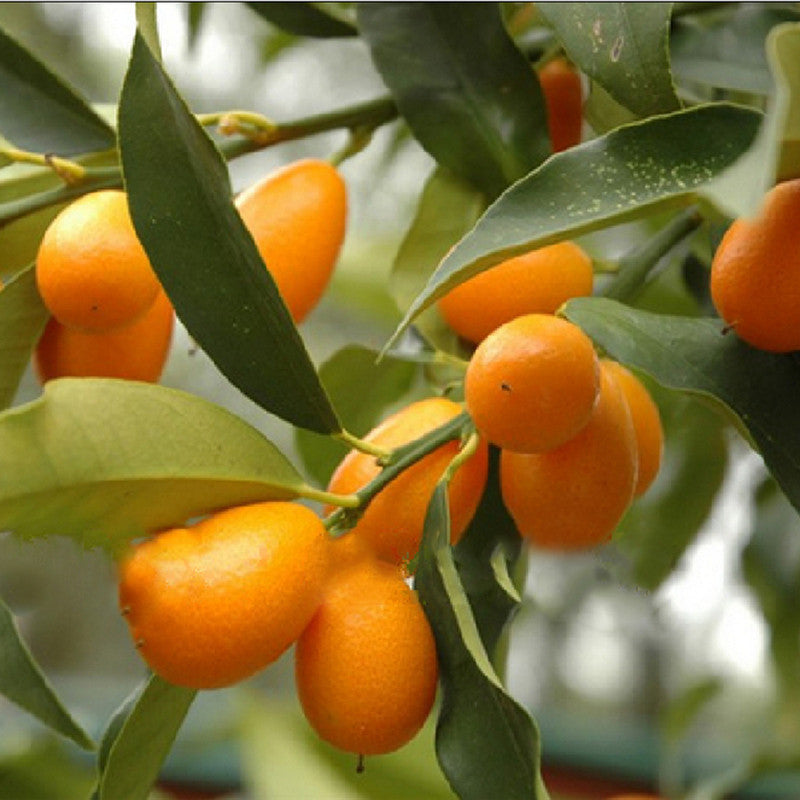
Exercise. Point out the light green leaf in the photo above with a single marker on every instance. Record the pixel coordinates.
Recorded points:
(468, 94)
(487, 744)
(40, 112)
(22, 319)
(622, 46)
(144, 741)
(695, 356)
(180, 201)
(23, 682)
(631, 172)
(106, 460)
(45, 771)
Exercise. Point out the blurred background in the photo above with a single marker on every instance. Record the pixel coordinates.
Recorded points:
(629, 686)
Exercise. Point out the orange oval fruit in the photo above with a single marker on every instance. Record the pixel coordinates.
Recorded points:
(91, 270)
(531, 384)
(366, 667)
(136, 353)
(563, 97)
(212, 604)
(646, 425)
(297, 217)
(393, 521)
(755, 273)
(574, 496)
(538, 282)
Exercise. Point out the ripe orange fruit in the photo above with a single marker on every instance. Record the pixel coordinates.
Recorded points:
(392, 523)
(137, 352)
(297, 217)
(755, 273)
(531, 384)
(91, 270)
(212, 604)
(563, 97)
(646, 425)
(366, 667)
(574, 496)
(538, 282)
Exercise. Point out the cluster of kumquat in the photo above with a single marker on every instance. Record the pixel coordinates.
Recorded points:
(212, 604)
(109, 315)
(580, 436)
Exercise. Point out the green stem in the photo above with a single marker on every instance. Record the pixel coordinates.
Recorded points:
(363, 446)
(69, 171)
(329, 498)
(370, 114)
(398, 461)
(635, 267)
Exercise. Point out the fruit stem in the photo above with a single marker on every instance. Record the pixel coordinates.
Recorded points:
(329, 498)
(255, 127)
(357, 140)
(69, 171)
(466, 452)
(359, 444)
(636, 266)
(397, 461)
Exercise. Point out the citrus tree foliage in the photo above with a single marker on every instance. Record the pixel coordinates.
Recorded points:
(690, 115)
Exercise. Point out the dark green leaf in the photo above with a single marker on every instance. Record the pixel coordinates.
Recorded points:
(22, 319)
(490, 543)
(663, 522)
(304, 19)
(447, 209)
(728, 51)
(468, 94)
(106, 460)
(694, 356)
(487, 745)
(144, 740)
(181, 206)
(623, 46)
(39, 112)
(628, 173)
(24, 683)
(345, 376)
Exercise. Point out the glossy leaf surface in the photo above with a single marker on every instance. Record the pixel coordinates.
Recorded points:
(106, 460)
(180, 201)
(468, 94)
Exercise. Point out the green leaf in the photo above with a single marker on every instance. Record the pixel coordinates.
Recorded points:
(622, 46)
(304, 19)
(487, 744)
(22, 319)
(727, 52)
(144, 741)
(105, 460)
(694, 356)
(468, 94)
(180, 202)
(39, 112)
(663, 522)
(487, 550)
(23, 682)
(345, 375)
(631, 172)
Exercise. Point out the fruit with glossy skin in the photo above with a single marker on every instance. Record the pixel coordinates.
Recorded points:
(297, 216)
(366, 667)
(538, 282)
(755, 273)
(137, 352)
(646, 425)
(91, 270)
(531, 384)
(393, 521)
(212, 604)
(573, 497)
(563, 96)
